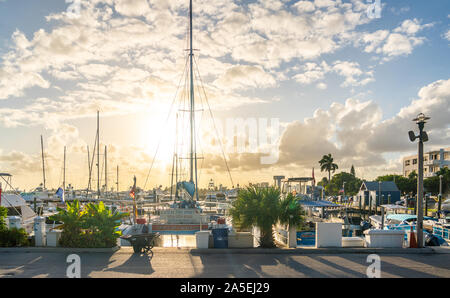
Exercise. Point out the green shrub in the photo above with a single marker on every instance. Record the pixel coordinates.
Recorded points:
(91, 226)
(3, 214)
(13, 237)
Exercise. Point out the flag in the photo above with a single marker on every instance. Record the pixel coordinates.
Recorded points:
(133, 196)
(60, 194)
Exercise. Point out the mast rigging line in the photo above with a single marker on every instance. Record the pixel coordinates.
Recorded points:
(214, 122)
(167, 119)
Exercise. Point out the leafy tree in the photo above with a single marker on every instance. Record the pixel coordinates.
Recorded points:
(326, 164)
(431, 184)
(352, 184)
(406, 185)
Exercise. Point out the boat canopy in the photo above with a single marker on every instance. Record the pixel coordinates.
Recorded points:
(407, 217)
(318, 203)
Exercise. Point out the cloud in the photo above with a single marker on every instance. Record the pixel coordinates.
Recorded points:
(351, 71)
(401, 41)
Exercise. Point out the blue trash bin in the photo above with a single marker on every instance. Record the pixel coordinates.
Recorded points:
(220, 237)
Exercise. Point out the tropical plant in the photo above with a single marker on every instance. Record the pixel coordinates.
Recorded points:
(3, 214)
(263, 207)
(259, 207)
(13, 237)
(326, 164)
(91, 226)
(291, 212)
(100, 224)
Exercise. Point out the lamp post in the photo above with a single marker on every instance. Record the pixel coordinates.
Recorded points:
(423, 137)
(440, 196)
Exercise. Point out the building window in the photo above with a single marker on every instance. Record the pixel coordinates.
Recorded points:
(407, 163)
(414, 161)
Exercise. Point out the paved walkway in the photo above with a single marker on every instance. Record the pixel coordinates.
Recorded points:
(185, 263)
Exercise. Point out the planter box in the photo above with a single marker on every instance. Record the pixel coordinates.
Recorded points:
(53, 238)
(240, 240)
(328, 234)
(353, 242)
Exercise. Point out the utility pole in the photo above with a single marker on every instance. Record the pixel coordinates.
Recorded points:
(43, 164)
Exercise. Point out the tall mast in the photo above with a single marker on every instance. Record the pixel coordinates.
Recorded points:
(43, 164)
(191, 56)
(98, 155)
(106, 171)
(64, 171)
(117, 180)
(89, 169)
(193, 155)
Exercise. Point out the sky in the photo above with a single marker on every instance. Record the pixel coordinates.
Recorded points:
(292, 80)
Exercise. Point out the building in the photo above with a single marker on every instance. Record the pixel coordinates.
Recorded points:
(433, 161)
(370, 190)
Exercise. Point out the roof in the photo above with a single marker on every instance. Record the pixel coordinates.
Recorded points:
(385, 186)
(402, 217)
(12, 200)
(318, 203)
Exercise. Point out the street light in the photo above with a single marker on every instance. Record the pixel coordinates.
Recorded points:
(423, 137)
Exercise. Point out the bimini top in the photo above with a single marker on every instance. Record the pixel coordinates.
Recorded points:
(406, 217)
(319, 203)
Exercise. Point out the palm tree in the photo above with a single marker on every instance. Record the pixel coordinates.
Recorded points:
(326, 164)
(257, 207)
(291, 212)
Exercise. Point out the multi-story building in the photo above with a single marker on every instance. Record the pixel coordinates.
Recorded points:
(433, 161)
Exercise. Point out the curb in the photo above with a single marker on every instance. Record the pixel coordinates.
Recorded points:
(57, 250)
(197, 251)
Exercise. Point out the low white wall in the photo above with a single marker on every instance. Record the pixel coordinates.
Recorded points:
(384, 238)
(328, 234)
(240, 240)
(353, 242)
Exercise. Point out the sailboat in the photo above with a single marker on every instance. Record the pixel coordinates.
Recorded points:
(185, 213)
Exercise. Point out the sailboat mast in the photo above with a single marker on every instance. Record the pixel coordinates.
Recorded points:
(106, 171)
(117, 180)
(191, 56)
(89, 170)
(64, 172)
(43, 164)
(98, 154)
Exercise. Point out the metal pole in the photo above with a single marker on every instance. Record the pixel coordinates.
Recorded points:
(43, 164)
(419, 227)
(89, 169)
(440, 196)
(64, 175)
(106, 171)
(98, 155)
